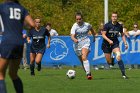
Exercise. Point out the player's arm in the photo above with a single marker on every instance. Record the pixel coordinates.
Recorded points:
(29, 37)
(93, 33)
(123, 37)
(124, 40)
(28, 40)
(49, 38)
(30, 21)
(73, 34)
(106, 38)
(73, 38)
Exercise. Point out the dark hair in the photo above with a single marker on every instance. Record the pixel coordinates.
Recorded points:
(37, 18)
(48, 24)
(79, 14)
(16, 1)
(114, 13)
(136, 24)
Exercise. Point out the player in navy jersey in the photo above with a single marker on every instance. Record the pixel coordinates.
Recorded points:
(38, 45)
(111, 43)
(12, 17)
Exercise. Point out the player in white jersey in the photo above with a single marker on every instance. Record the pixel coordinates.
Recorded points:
(79, 34)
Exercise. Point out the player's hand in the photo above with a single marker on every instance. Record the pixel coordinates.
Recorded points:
(111, 42)
(126, 46)
(29, 41)
(48, 45)
(75, 40)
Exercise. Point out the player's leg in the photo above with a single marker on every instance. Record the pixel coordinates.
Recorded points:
(108, 58)
(32, 65)
(85, 61)
(38, 60)
(120, 62)
(3, 67)
(13, 73)
(107, 52)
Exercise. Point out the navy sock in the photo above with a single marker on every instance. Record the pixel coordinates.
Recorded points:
(2, 86)
(121, 66)
(18, 85)
(32, 66)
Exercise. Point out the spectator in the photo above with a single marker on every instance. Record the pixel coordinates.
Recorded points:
(135, 32)
(101, 27)
(24, 59)
(51, 31)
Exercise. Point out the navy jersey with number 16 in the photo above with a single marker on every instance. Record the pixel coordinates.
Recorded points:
(11, 20)
(12, 17)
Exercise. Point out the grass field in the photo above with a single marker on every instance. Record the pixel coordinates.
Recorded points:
(55, 81)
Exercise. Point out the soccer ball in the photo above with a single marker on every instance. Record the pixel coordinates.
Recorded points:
(71, 74)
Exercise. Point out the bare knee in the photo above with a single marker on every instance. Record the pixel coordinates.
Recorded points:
(118, 56)
(84, 58)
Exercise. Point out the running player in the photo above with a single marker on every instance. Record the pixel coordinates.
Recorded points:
(79, 34)
(12, 16)
(111, 43)
(38, 45)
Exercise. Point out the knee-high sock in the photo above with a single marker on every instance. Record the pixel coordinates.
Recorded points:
(32, 66)
(2, 86)
(86, 66)
(121, 66)
(18, 85)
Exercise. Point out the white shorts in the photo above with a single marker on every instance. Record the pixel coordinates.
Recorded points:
(85, 43)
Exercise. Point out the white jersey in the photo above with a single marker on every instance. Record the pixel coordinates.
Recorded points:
(133, 32)
(81, 32)
(53, 32)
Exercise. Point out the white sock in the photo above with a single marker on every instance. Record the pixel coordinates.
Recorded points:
(86, 66)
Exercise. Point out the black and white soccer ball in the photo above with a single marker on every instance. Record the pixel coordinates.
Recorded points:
(71, 74)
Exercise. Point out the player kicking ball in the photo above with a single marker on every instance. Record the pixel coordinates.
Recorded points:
(111, 43)
(79, 35)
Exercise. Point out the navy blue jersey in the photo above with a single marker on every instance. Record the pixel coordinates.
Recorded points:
(112, 31)
(38, 38)
(12, 17)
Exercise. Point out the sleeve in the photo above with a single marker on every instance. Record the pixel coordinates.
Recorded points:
(29, 34)
(121, 29)
(47, 32)
(89, 26)
(56, 34)
(73, 29)
(105, 28)
(25, 13)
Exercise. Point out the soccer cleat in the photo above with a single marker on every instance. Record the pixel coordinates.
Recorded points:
(89, 77)
(125, 77)
(39, 67)
(32, 74)
(112, 63)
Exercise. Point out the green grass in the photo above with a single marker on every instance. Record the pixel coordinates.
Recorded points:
(55, 81)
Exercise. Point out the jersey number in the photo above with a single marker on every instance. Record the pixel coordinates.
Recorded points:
(15, 13)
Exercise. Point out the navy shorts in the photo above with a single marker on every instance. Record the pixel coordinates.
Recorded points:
(108, 48)
(37, 50)
(11, 51)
